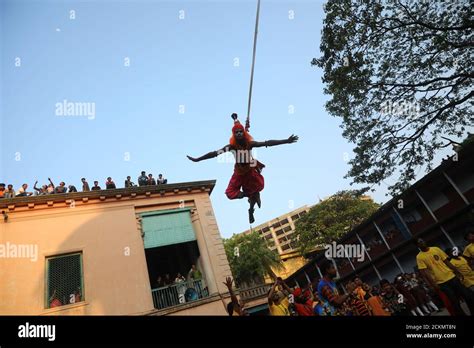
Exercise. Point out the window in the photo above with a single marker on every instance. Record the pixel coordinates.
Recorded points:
(64, 280)
(285, 247)
(284, 222)
(412, 216)
(294, 217)
(437, 201)
(268, 236)
(279, 232)
(287, 228)
(282, 240)
(167, 227)
(266, 229)
(276, 225)
(466, 182)
(302, 213)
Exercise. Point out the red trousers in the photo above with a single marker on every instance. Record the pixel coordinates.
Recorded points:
(251, 183)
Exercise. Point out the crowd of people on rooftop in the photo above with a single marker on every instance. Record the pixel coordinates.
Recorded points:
(7, 191)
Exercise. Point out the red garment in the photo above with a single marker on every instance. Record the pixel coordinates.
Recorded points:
(446, 302)
(303, 309)
(250, 182)
(55, 303)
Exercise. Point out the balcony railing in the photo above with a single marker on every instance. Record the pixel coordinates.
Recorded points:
(255, 292)
(179, 293)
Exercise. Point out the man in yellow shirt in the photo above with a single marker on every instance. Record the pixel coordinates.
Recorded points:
(277, 301)
(469, 250)
(435, 267)
(462, 266)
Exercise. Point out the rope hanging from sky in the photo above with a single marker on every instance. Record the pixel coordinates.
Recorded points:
(247, 121)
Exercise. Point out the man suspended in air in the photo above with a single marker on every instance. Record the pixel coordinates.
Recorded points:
(247, 171)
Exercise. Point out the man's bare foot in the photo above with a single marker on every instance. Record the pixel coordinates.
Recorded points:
(251, 217)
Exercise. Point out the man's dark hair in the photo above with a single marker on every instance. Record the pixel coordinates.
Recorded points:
(143, 172)
(383, 282)
(325, 266)
(83, 179)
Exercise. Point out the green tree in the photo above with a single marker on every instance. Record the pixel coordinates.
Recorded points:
(328, 220)
(400, 75)
(250, 258)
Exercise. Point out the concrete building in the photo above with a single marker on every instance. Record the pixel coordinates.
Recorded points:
(101, 252)
(277, 233)
(439, 208)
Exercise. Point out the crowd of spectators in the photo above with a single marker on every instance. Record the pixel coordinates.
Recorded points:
(7, 191)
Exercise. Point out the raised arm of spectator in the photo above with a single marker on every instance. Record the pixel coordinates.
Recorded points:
(285, 287)
(49, 179)
(34, 186)
(228, 283)
(270, 294)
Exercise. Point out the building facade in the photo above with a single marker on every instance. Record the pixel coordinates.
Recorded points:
(438, 208)
(278, 234)
(101, 252)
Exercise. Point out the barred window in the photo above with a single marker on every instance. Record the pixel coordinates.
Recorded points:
(64, 280)
(278, 232)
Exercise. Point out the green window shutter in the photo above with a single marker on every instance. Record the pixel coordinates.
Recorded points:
(167, 227)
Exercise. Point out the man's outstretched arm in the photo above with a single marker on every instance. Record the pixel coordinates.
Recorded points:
(292, 139)
(211, 154)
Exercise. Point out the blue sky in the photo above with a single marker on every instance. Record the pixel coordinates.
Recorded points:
(185, 77)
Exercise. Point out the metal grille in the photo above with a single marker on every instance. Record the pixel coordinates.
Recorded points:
(179, 293)
(64, 280)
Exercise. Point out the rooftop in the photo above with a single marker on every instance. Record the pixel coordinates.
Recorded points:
(207, 186)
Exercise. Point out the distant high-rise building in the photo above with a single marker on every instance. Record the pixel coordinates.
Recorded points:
(278, 232)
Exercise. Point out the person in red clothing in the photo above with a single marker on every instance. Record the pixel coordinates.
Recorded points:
(303, 302)
(54, 300)
(247, 180)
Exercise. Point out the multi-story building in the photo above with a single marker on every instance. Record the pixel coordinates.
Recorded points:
(102, 252)
(278, 232)
(439, 208)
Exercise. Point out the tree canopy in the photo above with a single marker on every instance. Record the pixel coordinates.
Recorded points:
(328, 220)
(249, 257)
(400, 75)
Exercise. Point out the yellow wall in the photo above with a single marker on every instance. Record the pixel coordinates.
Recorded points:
(104, 230)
